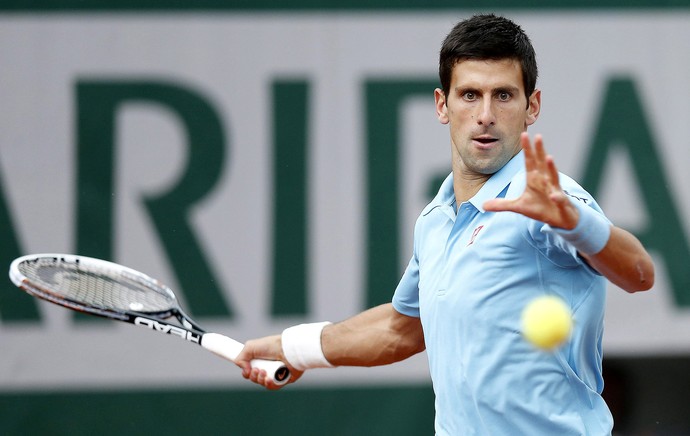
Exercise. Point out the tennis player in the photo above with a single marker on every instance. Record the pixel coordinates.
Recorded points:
(504, 228)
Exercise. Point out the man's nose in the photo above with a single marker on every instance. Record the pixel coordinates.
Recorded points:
(486, 113)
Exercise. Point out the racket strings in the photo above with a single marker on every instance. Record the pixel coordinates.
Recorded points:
(96, 286)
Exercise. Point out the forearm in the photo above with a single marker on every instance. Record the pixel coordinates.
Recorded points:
(378, 336)
(624, 261)
(615, 253)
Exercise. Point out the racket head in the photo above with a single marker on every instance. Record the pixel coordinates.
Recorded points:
(93, 286)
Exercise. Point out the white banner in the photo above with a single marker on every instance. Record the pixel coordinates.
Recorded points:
(232, 62)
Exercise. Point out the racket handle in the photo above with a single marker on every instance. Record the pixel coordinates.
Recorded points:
(229, 349)
(274, 369)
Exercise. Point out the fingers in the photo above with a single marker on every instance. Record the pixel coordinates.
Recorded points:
(543, 198)
(527, 149)
(539, 153)
(500, 205)
(260, 377)
(535, 157)
(553, 173)
(269, 348)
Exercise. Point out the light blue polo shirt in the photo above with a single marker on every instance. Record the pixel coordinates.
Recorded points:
(469, 278)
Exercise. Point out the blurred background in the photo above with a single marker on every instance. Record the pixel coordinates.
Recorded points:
(267, 160)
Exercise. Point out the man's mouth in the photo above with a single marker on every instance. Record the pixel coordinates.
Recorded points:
(485, 140)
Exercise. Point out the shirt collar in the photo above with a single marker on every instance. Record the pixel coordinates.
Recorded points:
(445, 199)
(498, 181)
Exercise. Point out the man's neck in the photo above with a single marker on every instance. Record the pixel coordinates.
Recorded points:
(467, 185)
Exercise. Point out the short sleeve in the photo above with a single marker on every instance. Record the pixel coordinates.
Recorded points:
(406, 296)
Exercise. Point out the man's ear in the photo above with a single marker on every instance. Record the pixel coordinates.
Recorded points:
(441, 107)
(533, 107)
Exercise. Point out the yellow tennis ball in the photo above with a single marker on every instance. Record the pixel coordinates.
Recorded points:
(546, 322)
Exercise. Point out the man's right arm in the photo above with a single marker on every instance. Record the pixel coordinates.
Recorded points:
(378, 336)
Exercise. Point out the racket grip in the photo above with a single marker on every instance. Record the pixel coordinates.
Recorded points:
(274, 369)
(229, 349)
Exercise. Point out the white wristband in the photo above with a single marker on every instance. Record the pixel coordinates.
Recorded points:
(302, 346)
(591, 233)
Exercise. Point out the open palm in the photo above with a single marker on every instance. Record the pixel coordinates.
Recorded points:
(543, 198)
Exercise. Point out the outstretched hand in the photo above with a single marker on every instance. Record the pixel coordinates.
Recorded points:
(269, 348)
(543, 198)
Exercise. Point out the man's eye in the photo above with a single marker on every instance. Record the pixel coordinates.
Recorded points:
(504, 96)
(470, 96)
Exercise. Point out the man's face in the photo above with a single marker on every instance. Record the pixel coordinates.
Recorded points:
(486, 110)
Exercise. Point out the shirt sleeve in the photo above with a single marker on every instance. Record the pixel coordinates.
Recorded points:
(406, 296)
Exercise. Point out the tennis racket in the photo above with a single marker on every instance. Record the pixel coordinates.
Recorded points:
(109, 290)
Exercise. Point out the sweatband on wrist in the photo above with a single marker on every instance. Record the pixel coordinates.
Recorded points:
(591, 233)
(302, 346)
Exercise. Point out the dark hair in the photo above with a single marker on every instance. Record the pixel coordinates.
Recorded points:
(488, 37)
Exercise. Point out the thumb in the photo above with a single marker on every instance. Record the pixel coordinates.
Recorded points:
(498, 205)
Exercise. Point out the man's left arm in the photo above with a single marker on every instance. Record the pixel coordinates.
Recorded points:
(624, 261)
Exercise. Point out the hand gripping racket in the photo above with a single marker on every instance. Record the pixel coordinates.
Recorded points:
(109, 290)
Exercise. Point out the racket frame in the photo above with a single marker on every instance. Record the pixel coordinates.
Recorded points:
(190, 331)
